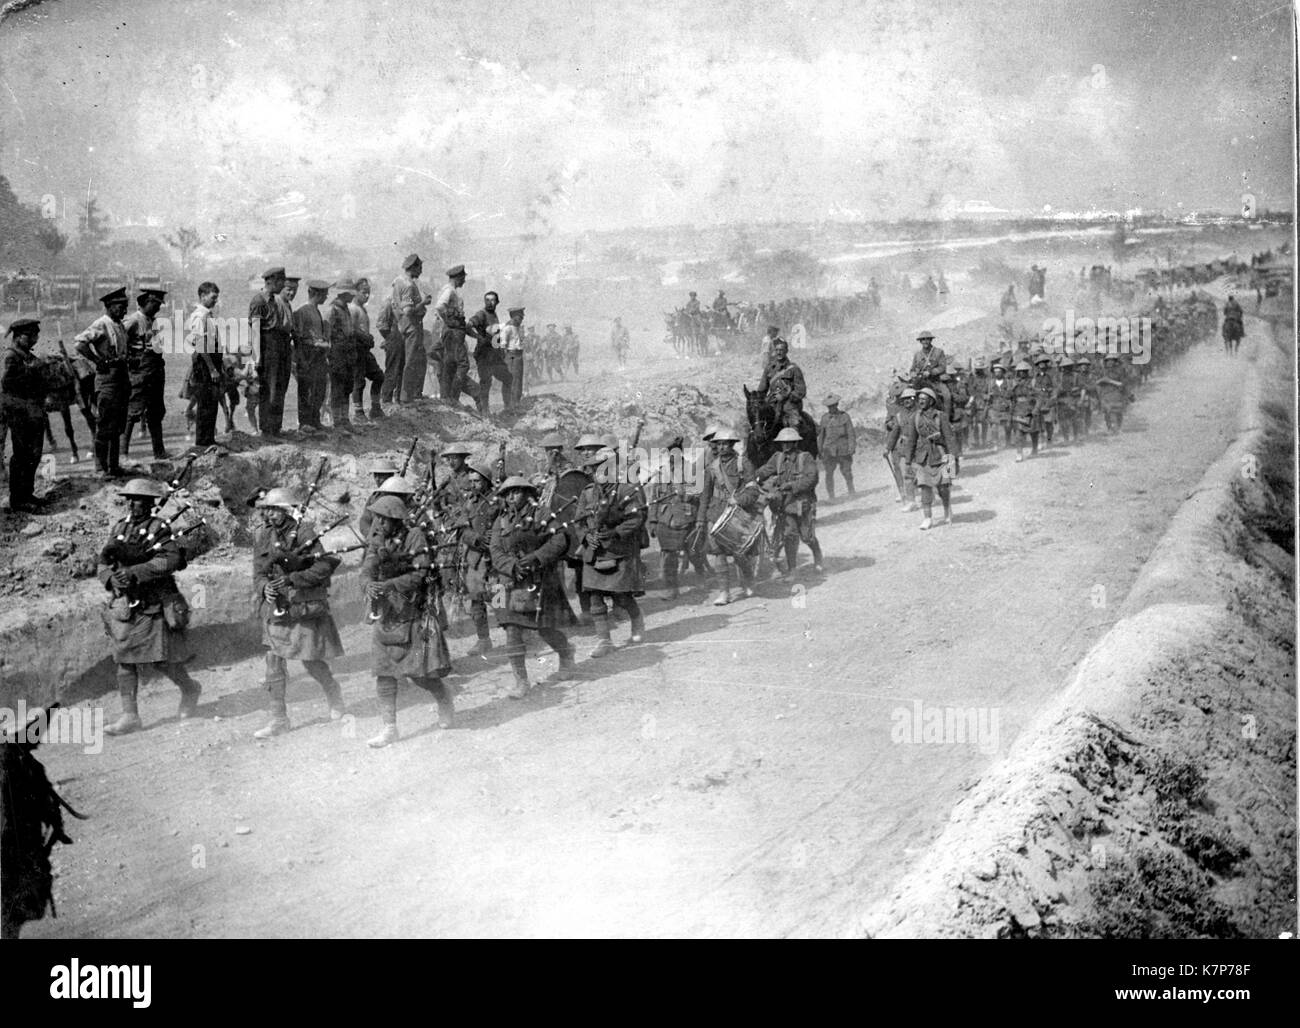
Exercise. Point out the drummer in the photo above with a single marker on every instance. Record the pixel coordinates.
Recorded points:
(723, 489)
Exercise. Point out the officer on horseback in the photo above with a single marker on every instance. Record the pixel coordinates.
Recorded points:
(782, 385)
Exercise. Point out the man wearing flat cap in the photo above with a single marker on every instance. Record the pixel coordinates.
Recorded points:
(512, 348)
(342, 355)
(104, 344)
(22, 409)
(311, 347)
(270, 327)
(147, 370)
(453, 372)
(409, 307)
(836, 443)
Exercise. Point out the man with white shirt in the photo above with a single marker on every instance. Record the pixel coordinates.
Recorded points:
(453, 371)
(512, 345)
(367, 367)
(207, 381)
(409, 307)
(104, 344)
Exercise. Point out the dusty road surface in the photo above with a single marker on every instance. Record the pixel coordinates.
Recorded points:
(733, 775)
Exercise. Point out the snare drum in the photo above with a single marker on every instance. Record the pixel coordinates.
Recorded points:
(736, 531)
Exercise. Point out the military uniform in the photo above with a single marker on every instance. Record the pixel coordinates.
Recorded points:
(342, 361)
(366, 366)
(1024, 415)
(978, 413)
(722, 487)
(22, 409)
(1113, 395)
(104, 344)
(311, 348)
(409, 637)
(146, 622)
(782, 385)
(1000, 403)
(1068, 399)
(305, 629)
(904, 475)
(836, 443)
(453, 372)
(525, 566)
(671, 518)
(928, 446)
(489, 358)
(270, 320)
(611, 518)
(1048, 395)
(793, 477)
(147, 371)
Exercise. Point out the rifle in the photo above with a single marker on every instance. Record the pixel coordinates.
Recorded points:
(81, 403)
(409, 454)
(501, 462)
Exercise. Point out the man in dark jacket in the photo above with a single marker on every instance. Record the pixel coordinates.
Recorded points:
(836, 443)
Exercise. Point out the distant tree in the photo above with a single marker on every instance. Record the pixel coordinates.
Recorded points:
(52, 241)
(313, 249)
(186, 242)
(133, 256)
(425, 242)
(92, 232)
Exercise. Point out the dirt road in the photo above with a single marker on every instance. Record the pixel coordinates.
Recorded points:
(734, 775)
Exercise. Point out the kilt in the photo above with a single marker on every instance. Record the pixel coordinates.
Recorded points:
(312, 639)
(402, 648)
(144, 637)
(933, 474)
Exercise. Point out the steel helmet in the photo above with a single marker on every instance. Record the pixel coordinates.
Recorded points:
(725, 435)
(1083, 362)
(588, 441)
(383, 466)
(927, 391)
(552, 441)
(397, 485)
(1042, 358)
(143, 487)
(516, 482)
(388, 507)
(907, 394)
(1067, 362)
(279, 497)
(484, 470)
(1023, 366)
(788, 435)
(598, 457)
(710, 432)
(456, 449)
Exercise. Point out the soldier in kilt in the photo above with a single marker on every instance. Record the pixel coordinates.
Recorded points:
(473, 518)
(792, 489)
(1024, 412)
(1045, 386)
(1069, 390)
(611, 521)
(673, 507)
(291, 580)
(406, 606)
(525, 560)
(722, 487)
(148, 616)
(928, 446)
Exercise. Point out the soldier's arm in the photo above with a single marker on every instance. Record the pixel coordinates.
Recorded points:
(805, 480)
(164, 561)
(852, 434)
(909, 438)
(550, 551)
(370, 561)
(262, 560)
(631, 511)
(410, 580)
(706, 497)
(503, 560)
(320, 570)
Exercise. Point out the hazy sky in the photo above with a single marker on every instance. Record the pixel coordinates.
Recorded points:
(365, 119)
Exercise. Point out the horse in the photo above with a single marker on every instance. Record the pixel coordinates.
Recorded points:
(1233, 331)
(765, 422)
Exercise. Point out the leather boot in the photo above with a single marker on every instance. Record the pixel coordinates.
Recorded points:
(279, 723)
(519, 689)
(568, 666)
(482, 646)
(129, 720)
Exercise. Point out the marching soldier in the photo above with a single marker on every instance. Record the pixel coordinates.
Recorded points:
(409, 638)
(1069, 392)
(342, 356)
(104, 345)
(291, 580)
(570, 348)
(1113, 392)
(453, 487)
(979, 404)
(1087, 391)
(311, 349)
(22, 409)
(782, 385)
(453, 374)
(722, 487)
(1000, 405)
(367, 367)
(550, 352)
(473, 520)
(904, 475)
(611, 519)
(269, 319)
(556, 462)
(147, 371)
(928, 447)
(525, 560)
(148, 616)
(382, 471)
(792, 496)
(960, 403)
(837, 441)
(672, 517)
(1048, 395)
(1024, 412)
(409, 307)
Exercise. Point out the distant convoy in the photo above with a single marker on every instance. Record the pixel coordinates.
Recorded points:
(23, 293)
